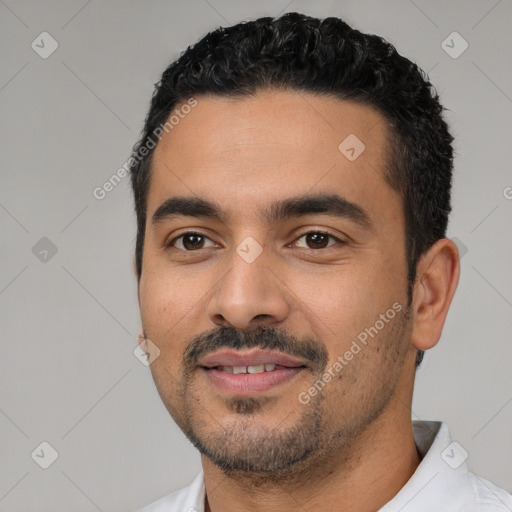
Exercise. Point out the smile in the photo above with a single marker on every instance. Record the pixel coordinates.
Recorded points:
(249, 372)
(260, 368)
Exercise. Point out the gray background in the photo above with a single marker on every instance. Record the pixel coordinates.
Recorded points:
(70, 320)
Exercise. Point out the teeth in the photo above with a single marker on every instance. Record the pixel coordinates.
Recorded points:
(256, 369)
(260, 368)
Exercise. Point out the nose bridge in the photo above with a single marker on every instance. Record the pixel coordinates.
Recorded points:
(249, 291)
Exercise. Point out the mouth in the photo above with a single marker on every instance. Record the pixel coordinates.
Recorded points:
(252, 369)
(245, 373)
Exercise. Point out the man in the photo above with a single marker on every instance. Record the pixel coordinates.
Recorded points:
(292, 191)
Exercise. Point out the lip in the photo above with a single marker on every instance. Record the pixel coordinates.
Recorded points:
(251, 357)
(247, 384)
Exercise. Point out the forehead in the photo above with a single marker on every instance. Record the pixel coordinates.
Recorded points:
(251, 151)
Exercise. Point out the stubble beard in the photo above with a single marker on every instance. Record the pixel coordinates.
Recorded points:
(316, 442)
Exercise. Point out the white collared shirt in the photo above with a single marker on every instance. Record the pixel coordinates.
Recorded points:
(441, 482)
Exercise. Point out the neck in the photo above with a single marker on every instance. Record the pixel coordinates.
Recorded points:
(365, 476)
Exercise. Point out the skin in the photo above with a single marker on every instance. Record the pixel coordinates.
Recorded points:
(244, 154)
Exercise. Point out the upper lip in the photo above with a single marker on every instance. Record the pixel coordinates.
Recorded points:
(251, 357)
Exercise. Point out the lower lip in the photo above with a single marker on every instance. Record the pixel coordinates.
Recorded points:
(247, 384)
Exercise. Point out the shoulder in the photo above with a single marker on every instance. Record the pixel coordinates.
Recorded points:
(188, 499)
(488, 496)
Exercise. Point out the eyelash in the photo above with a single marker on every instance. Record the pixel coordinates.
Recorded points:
(197, 233)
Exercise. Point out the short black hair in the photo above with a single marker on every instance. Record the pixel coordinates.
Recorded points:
(321, 56)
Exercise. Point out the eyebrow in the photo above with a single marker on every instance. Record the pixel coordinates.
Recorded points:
(279, 211)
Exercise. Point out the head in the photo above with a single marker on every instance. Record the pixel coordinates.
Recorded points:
(254, 134)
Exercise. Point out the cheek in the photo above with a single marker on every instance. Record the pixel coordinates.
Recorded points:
(161, 309)
(166, 295)
(335, 288)
(343, 301)
(172, 307)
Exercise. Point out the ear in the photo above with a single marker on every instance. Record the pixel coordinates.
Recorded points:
(437, 276)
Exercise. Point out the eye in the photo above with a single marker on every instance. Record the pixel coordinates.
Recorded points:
(193, 241)
(190, 241)
(318, 240)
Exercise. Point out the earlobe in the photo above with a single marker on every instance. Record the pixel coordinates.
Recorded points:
(436, 281)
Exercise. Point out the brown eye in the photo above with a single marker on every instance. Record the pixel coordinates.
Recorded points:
(318, 240)
(193, 241)
(190, 242)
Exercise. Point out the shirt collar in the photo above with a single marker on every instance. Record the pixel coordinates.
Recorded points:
(439, 483)
(441, 480)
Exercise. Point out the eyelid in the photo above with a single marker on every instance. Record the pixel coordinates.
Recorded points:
(170, 243)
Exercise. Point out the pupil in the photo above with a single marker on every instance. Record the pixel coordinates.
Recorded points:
(318, 239)
(192, 241)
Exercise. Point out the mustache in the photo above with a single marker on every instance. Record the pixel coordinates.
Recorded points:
(260, 337)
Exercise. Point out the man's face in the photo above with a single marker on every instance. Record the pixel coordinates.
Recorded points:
(282, 292)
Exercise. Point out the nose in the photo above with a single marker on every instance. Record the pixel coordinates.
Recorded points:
(248, 295)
